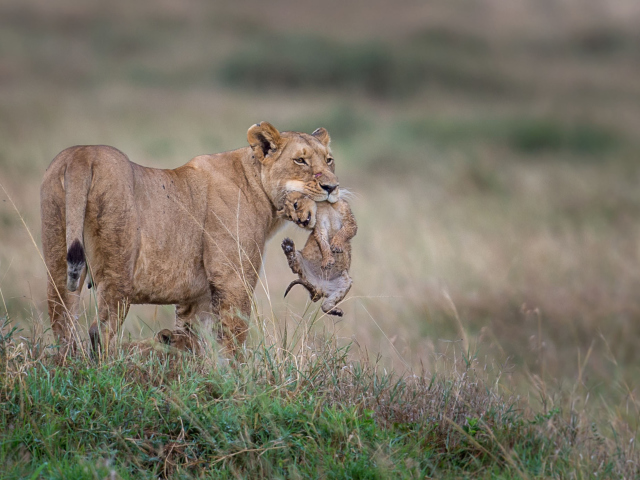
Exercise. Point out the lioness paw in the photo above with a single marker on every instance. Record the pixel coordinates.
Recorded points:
(164, 336)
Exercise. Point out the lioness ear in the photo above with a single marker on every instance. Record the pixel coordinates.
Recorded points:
(322, 135)
(263, 138)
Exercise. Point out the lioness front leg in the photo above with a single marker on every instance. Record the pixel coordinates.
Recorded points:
(233, 309)
(231, 292)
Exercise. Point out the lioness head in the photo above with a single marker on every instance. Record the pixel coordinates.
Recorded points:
(299, 209)
(294, 162)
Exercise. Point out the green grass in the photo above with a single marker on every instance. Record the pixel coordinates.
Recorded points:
(375, 69)
(528, 136)
(318, 413)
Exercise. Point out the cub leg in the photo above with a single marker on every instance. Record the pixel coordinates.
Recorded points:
(297, 265)
(337, 291)
(294, 258)
(348, 229)
(322, 237)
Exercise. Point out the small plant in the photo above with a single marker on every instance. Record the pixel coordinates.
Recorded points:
(471, 427)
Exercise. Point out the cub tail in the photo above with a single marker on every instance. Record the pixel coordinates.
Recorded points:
(313, 293)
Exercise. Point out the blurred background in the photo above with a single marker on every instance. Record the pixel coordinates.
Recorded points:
(492, 147)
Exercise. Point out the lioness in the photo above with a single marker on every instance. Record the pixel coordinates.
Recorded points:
(323, 264)
(192, 236)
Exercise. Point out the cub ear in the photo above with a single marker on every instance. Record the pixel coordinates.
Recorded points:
(322, 135)
(264, 138)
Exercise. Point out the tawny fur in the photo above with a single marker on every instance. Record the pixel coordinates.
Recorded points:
(192, 236)
(323, 264)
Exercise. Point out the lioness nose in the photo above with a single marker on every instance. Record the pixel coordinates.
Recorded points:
(329, 188)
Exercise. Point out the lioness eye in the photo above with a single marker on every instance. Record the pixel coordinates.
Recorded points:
(295, 205)
(300, 161)
(329, 160)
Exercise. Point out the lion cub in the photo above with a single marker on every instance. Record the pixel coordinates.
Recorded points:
(323, 264)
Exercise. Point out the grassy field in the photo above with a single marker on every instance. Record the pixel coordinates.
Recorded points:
(493, 152)
(321, 412)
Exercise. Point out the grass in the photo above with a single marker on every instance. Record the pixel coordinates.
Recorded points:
(370, 68)
(305, 409)
(533, 136)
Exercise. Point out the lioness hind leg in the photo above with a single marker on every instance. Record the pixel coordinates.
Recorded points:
(112, 310)
(62, 304)
(233, 331)
(338, 290)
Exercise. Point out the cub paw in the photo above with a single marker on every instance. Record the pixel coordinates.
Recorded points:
(335, 311)
(288, 247)
(336, 248)
(329, 262)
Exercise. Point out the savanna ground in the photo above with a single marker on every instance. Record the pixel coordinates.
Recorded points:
(493, 151)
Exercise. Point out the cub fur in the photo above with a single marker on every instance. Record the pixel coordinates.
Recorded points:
(323, 264)
(193, 236)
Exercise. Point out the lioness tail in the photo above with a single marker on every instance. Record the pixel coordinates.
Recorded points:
(77, 180)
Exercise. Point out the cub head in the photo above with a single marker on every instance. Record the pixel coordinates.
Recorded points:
(294, 162)
(299, 209)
